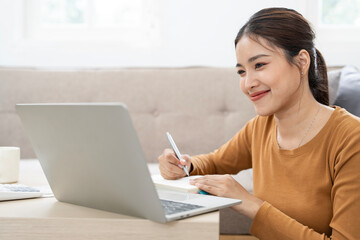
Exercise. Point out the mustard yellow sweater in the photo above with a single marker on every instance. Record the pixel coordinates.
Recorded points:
(312, 192)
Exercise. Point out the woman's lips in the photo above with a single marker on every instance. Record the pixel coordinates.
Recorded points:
(258, 95)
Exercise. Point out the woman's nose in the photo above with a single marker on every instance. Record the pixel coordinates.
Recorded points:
(251, 81)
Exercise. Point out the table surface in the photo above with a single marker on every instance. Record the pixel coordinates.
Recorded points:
(45, 218)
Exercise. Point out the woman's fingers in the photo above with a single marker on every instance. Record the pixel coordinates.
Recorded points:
(170, 166)
(186, 161)
(220, 185)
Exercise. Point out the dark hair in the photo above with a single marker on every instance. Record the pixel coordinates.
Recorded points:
(290, 31)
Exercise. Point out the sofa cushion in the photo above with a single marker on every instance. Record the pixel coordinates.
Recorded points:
(333, 81)
(348, 95)
(201, 107)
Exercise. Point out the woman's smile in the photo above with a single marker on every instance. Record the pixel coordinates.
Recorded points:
(258, 95)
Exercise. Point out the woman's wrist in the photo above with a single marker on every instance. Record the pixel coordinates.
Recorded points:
(255, 206)
(249, 207)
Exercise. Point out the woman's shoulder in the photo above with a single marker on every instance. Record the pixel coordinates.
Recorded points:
(260, 126)
(343, 121)
(343, 141)
(343, 132)
(261, 120)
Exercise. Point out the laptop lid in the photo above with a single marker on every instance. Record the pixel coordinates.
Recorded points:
(91, 156)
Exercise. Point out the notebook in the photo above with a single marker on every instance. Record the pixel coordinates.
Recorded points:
(91, 156)
(18, 191)
(181, 185)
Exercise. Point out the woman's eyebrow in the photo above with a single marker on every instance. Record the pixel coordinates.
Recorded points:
(253, 59)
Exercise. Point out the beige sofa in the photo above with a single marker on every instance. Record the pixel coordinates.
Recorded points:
(201, 107)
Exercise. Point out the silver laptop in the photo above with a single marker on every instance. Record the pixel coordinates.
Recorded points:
(91, 156)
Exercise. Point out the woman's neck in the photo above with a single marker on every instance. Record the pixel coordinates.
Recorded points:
(297, 123)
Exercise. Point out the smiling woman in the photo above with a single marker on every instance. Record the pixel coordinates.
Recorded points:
(304, 153)
(268, 49)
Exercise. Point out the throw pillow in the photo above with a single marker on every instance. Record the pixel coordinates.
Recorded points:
(348, 95)
(333, 81)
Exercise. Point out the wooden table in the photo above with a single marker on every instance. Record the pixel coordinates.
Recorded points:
(46, 218)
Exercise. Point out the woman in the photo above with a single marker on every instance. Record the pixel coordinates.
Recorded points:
(304, 154)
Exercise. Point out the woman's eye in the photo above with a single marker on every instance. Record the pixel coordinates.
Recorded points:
(259, 65)
(240, 72)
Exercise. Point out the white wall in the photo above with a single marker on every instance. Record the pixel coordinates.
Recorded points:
(192, 33)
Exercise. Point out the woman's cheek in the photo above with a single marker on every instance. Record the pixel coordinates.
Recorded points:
(242, 86)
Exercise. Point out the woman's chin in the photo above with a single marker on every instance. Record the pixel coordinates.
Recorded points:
(261, 111)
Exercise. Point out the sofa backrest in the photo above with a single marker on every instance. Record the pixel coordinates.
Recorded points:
(201, 107)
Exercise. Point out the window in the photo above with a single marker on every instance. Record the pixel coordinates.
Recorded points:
(336, 24)
(344, 13)
(127, 21)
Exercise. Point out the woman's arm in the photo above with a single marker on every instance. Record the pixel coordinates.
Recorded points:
(271, 223)
(230, 158)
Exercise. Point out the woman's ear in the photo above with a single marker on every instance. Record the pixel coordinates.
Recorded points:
(304, 61)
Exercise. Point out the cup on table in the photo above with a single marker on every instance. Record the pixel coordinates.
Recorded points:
(9, 164)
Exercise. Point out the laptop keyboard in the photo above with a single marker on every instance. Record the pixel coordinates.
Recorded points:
(171, 207)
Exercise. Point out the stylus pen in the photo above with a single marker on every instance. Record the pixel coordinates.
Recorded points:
(176, 150)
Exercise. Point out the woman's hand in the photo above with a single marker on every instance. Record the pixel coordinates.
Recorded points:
(171, 167)
(227, 186)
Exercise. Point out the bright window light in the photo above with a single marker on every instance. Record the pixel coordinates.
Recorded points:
(340, 13)
(124, 14)
(62, 12)
(124, 21)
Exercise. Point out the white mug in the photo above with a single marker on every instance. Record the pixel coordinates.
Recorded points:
(9, 164)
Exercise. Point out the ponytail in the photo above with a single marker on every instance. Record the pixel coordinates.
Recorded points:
(318, 80)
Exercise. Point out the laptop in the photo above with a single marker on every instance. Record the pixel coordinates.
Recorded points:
(91, 156)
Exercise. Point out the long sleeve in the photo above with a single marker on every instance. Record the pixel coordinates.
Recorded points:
(311, 192)
(320, 198)
(230, 158)
(271, 223)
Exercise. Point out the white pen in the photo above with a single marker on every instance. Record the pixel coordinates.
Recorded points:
(176, 150)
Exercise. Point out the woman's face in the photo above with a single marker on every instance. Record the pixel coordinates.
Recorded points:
(266, 77)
